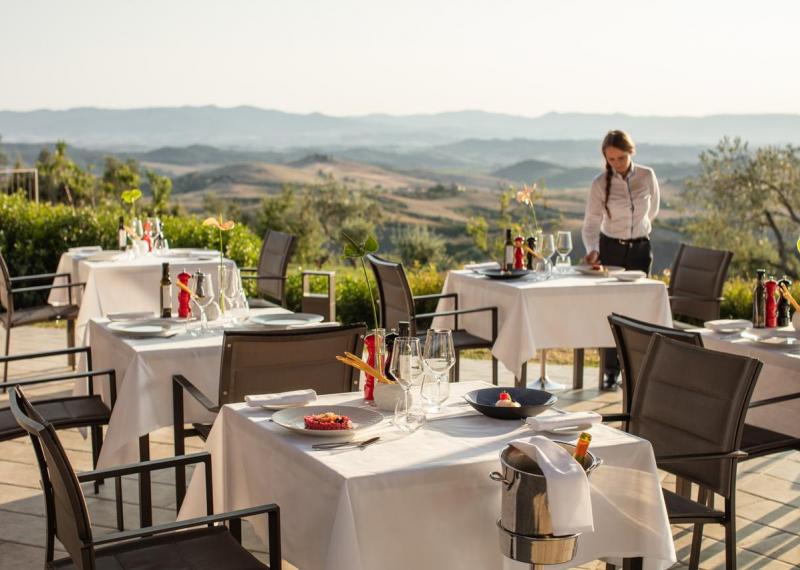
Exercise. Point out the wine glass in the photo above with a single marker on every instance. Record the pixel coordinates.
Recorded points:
(203, 297)
(439, 356)
(406, 368)
(547, 250)
(564, 248)
(233, 293)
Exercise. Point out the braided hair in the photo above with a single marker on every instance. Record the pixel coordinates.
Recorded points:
(619, 140)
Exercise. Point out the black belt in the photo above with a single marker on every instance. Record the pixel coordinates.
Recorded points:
(626, 241)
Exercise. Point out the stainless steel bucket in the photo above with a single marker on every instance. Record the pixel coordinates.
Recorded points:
(525, 525)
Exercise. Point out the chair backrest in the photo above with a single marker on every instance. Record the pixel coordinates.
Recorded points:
(6, 298)
(397, 303)
(256, 362)
(632, 339)
(67, 515)
(276, 252)
(693, 400)
(698, 272)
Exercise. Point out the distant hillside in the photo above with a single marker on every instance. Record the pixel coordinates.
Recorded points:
(254, 128)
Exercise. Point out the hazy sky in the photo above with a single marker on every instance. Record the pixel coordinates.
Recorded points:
(346, 57)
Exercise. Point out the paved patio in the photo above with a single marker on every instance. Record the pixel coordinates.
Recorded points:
(768, 499)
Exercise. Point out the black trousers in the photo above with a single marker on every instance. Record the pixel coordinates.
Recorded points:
(630, 254)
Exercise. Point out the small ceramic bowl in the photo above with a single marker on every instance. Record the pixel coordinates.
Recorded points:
(532, 402)
(386, 396)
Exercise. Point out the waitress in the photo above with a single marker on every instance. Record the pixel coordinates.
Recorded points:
(622, 204)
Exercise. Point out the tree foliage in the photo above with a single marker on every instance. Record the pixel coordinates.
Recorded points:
(418, 246)
(62, 180)
(748, 201)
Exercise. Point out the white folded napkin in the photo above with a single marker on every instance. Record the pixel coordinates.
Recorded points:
(86, 249)
(567, 485)
(281, 398)
(550, 422)
(484, 265)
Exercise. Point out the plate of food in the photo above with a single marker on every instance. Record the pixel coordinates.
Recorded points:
(285, 320)
(327, 421)
(598, 269)
(143, 329)
(510, 403)
(728, 326)
(503, 274)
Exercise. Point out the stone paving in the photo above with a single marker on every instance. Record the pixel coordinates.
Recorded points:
(768, 498)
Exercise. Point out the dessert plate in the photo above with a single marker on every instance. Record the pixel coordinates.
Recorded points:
(361, 418)
(285, 320)
(149, 329)
(728, 326)
(606, 271)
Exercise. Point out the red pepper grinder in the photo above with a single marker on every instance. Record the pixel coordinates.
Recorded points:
(184, 298)
(147, 235)
(519, 253)
(772, 305)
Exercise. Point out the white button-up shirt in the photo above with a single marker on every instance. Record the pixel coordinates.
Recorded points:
(633, 202)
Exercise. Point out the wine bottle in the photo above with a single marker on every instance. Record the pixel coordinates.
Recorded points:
(760, 301)
(122, 235)
(582, 447)
(166, 292)
(508, 252)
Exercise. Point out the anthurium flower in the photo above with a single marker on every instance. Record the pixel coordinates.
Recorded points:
(219, 224)
(524, 195)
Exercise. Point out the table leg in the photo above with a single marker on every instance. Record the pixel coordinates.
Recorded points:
(522, 381)
(544, 382)
(632, 563)
(577, 369)
(601, 368)
(145, 490)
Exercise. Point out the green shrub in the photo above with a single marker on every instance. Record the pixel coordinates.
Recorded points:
(738, 293)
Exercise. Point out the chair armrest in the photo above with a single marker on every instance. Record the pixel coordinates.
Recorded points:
(621, 417)
(46, 287)
(775, 400)
(39, 277)
(189, 523)
(667, 459)
(264, 277)
(184, 383)
(458, 312)
(145, 466)
(696, 298)
(72, 376)
(435, 296)
(45, 354)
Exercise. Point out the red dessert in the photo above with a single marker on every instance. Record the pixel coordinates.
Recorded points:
(327, 421)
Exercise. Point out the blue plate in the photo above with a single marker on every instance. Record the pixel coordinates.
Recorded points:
(533, 402)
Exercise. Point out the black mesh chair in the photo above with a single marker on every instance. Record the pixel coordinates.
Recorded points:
(13, 317)
(632, 339)
(259, 362)
(398, 304)
(695, 286)
(270, 275)
(690, 404)
(200, 543)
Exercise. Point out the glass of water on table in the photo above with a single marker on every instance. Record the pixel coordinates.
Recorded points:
(563, 248)
(439, 356)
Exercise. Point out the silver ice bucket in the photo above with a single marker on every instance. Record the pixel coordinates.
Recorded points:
(525, 525)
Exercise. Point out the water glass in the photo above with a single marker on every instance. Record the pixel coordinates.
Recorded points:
(439, 356)
(564, 248)
(406, 367)
(236, 305)
(203, 297)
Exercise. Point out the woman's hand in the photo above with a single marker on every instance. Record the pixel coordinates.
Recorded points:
(592, 257)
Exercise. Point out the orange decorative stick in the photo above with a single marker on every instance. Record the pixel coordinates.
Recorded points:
(582, 447)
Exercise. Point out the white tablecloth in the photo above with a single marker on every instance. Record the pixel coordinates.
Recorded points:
(144, 370)
(123, 286)
(418, 501)
(779, 376)
(566, 311)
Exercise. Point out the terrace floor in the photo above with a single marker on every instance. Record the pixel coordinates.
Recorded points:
(768, 498)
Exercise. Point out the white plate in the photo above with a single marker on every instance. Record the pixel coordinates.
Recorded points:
(728, 326)
(361, 418)
(147, 329)
(283, 406)
(285, 320)
(135, 316)
(105, 256)
(568, 430)
(86, 249)
(629, 275)
(608, 270)
(772, 337)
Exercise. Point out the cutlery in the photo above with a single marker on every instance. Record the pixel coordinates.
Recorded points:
(341, 444)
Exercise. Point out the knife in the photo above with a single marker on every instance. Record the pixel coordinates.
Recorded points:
(340, 444)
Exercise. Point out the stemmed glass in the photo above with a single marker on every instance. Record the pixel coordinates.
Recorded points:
(203, 297)
(439, 356)
(564, 248)
(547, 250)
(235, 299)
(406, 368)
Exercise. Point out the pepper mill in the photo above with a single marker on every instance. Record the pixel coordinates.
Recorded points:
(784, 309)
(532, 247)
(771, 311)
(184, 299)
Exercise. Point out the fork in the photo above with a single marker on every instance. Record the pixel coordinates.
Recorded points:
(341, 444)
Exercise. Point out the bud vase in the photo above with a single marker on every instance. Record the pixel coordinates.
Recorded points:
(375, 341)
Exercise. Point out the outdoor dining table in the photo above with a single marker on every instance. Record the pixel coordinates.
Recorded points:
(422, 500)
(144, 369)
(126, 284)
(568, 310)
(780, 376)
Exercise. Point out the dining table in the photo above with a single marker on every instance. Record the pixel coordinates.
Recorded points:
(418, 500)
(566, 310)
(120, 282)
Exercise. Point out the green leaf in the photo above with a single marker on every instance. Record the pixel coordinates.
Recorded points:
(371, 245)
(130, 196)
(351, 251)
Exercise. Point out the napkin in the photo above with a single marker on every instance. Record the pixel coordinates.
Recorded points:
(484, 265)
(550, 422)
(281, 398)
(567, 485)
